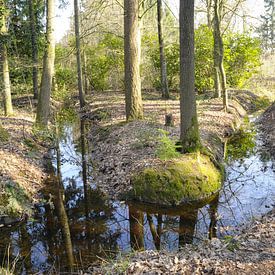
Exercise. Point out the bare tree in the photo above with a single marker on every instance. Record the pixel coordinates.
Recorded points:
(189, 134)
(4, 62)
(78, 55)
(133, 100)
(34, 48)
(163, 66)
(43, 108)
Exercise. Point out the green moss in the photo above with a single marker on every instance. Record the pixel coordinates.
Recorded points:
(14, 200)
(189, 178)
(4, 135)
(191, 142)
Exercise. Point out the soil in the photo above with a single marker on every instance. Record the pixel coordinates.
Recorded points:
(267, 125)
(120, 149)
(21, 164)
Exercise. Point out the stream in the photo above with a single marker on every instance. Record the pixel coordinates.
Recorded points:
(76, 225)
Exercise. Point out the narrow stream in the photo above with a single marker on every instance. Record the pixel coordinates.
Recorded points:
(76, 226)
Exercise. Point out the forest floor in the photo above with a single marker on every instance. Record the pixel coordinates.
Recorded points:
(252, 251)
(21, 166)
(120, 149)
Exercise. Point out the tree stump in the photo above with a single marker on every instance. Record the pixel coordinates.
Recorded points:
(169, 120)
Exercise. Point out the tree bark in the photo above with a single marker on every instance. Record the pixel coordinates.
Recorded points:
(163, 65)
(189, 122)
(5, 67)
(34, 49)
(133, 100)
(43, 107)
(86, 81)
(220, 75)
(78, 55)
(6, 82)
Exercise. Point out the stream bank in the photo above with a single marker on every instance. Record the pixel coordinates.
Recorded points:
(76, 225)
(21, 161)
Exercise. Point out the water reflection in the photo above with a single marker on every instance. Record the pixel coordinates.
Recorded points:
(76, 225)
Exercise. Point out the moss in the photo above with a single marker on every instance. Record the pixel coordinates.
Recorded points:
(191, 142)
(189, 178)
(4, 135)
(14, 200)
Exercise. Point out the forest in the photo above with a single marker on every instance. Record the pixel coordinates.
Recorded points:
(137, 136)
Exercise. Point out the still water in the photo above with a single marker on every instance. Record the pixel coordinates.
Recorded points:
(76, 225)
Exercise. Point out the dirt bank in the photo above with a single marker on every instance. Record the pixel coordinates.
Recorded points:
(21, 167)
(119, 149)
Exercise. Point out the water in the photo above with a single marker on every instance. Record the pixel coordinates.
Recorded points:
(76, 226)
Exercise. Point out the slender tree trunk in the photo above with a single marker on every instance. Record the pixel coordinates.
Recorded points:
(6, 81)
(133, 100)
(43, 107)
(163, 66)
(78, 55)
(189, 122)
(5, 67)
(85, 73)
(34, 49)
(219, 53)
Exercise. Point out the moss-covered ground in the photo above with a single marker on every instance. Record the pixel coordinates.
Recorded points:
(191, 177)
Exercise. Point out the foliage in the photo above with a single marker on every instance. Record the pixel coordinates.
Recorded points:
(242, 58)
(167, 148)
(241, 145)
(203, 61)
(105, 63)
(19, 42)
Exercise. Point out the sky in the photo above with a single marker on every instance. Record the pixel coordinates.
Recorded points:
(255, 8)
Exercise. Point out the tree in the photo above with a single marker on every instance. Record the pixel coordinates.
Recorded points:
(133, 100)
(220, 76)
(164, 82)
(4, 61)
(267, 28)
(189, 133)
(32, 19)
(43, 107)
(78, 55)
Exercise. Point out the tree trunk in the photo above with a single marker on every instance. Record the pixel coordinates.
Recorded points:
(34, 49)
(43, 107)
(219, 54)
(5, 67)
(133, 100)
(163, 66)
(78, 55)
(189, 122)
(6, 81)
(86, 81)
